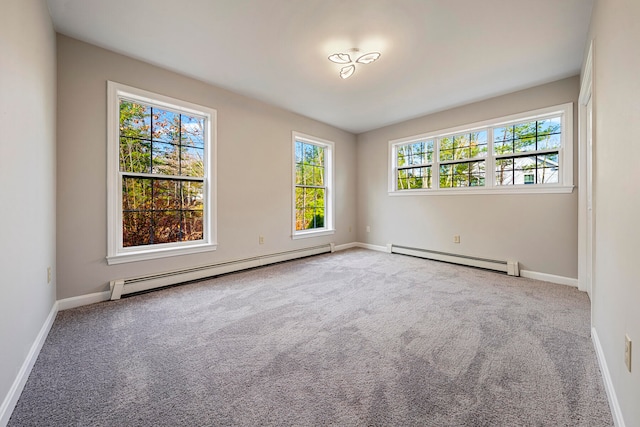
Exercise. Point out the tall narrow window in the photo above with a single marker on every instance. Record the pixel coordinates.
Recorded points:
(312, 190)
(161, 191)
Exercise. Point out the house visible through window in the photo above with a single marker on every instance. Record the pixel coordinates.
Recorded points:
(501, 155)
(312, 197)
(162, 174)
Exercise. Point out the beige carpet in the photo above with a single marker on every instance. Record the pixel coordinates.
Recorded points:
(354, 338)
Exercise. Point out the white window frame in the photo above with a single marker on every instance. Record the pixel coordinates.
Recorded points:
(565, 156)
(116, 253)
(329, 159)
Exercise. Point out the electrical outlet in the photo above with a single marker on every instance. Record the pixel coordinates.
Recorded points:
(456, 239)
(627, 352)
(368, 229)
(48, 274)
(261, 240)
(349, 229)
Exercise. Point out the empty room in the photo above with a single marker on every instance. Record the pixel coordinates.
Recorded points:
(319, 212)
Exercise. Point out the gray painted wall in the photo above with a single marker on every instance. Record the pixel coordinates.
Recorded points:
(27, 179)
(616, 288)
(254, 169)
(538, 230)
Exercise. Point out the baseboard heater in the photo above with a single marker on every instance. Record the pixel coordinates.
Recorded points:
(143, 283)
(509, 267)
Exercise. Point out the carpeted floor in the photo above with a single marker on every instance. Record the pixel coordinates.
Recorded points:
(354, 338)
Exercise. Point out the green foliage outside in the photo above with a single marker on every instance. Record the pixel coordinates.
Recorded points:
(310, 186)
(462, 157)
(167, 207)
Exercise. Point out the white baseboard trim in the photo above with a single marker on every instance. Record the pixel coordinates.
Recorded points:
(616, 412)
(560, 280)
(13, 395)
(345, 246)
(372, 247)
(79, 301)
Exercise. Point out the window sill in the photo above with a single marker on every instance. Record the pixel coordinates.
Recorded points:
(157, 253)
(521, 189)
(318, 233)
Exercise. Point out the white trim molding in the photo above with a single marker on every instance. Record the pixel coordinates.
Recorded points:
(82, 300)
(614, 405)
(545, 277)
(11, 399)
(373, 247)
(117, 253)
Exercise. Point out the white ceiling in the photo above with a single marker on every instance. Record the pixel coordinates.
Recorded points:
(436, 54)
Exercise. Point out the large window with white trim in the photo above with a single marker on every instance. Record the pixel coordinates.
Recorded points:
(526, 152)
(161, 191)
(312, 186)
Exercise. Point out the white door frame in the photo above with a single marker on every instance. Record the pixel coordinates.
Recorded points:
(586, 223)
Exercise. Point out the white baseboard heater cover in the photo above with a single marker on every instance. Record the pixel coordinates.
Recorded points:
(143, 283)
(509, 267)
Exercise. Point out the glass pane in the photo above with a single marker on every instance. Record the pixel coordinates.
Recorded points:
(192, 131)
(549, 142)
(135, 155)
(192, 161)
(503, 147)
(166, 194)
(548, 175)
(192, 195)
(525, 144)
(548, 169)
(524, 130)
(504, 172)
(299, 198)
(309, 197)
(402, 156)
(309, 214)
(318, 176)
(445, 176)
(523, 167)
(428, 148)
(446, 155)
(165, 125)
(166, 226)
(460, 141)
(460, 180)
(503, 133)
(136, 194)
(477, 180)
(192, 225)
(136, 229)
(418, 159)
(299, 176)
(320, 198)
(299, 151)
(307, 154)
(165, 159)
(300, 223)
(318, 218)
(549, 126)
(307, 174)
(135, 120)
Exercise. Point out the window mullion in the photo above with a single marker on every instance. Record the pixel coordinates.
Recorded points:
(436, 163)
(490, 169)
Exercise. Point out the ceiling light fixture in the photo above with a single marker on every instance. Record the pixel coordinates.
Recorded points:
(345, 58)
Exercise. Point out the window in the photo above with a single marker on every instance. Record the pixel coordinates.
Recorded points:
(161, 192)
(312, 189)
(529, 152)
